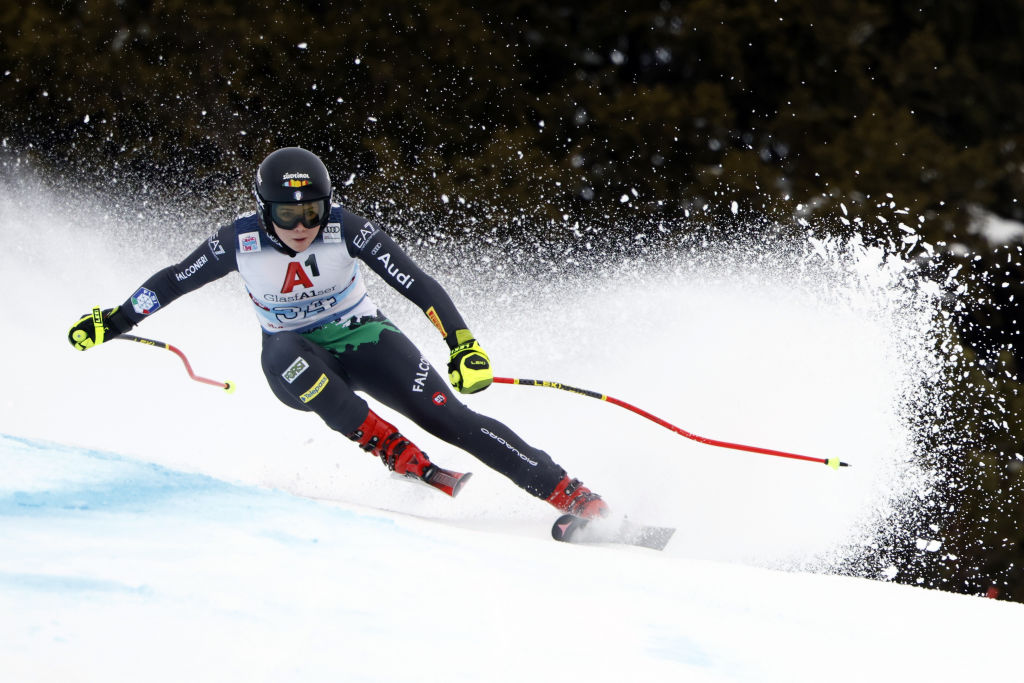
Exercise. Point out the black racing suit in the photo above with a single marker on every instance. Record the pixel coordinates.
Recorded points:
(323, 339)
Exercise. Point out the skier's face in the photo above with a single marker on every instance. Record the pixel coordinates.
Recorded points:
(299, 238)
(297, 223)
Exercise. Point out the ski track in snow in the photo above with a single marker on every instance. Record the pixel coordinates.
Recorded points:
(152, 528)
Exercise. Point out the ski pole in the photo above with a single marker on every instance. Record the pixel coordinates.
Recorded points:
(226, 386)
(834, 463)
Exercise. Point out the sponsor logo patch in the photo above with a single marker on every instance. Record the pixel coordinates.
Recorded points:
(249, 242)
(215, 248)
(421, 375)
(144, 301)
(365, 233)
(506, 444)
(314, 390)
(297, 367)
(440, 399)
(403, 279)
(436, 319)
(192, 269)
(332, 233)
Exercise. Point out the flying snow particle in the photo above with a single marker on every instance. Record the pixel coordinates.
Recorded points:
(929, 545)
(303, 46)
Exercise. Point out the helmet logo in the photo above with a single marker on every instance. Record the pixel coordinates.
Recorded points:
(298, 195)
(296, 180)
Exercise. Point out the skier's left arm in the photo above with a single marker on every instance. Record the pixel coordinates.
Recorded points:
(469, 368)
(208, 262)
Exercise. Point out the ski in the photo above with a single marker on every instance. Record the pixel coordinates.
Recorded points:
(445, 481)
(572, 529)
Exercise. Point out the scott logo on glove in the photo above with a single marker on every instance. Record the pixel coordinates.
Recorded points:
(297, 367)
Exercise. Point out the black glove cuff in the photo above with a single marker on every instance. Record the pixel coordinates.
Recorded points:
(118, 322)
(458, 338)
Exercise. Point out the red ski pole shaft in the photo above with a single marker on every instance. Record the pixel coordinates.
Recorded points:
(226, 386)
(834, 463)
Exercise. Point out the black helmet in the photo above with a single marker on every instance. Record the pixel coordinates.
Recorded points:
(292, 175)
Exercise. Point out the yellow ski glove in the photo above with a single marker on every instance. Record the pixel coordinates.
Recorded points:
(92, 329)
(469, 368)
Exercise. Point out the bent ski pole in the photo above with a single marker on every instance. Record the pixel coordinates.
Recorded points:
(226, 386)
(834, 463)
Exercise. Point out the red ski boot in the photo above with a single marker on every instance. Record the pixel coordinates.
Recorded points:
(573, 497)
(379, 438)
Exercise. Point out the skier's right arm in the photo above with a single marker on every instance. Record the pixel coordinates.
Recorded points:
(212, 260)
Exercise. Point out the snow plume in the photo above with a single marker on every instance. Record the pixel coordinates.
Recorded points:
(769, 336)
(819, 346)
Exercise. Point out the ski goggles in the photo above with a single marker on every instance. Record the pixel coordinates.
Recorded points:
(288, 216)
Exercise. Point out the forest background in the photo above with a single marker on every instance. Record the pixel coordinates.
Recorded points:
(613, 118)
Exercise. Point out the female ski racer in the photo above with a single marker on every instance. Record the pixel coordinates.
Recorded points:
(324, 339)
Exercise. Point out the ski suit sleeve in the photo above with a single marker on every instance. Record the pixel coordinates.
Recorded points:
(208, 262)
(375, 247)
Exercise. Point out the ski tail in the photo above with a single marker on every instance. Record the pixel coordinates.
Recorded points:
(571, 529)
(448, 482)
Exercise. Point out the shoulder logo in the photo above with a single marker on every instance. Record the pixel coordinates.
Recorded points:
(215, 247)
(249, 242)
(365, 233)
